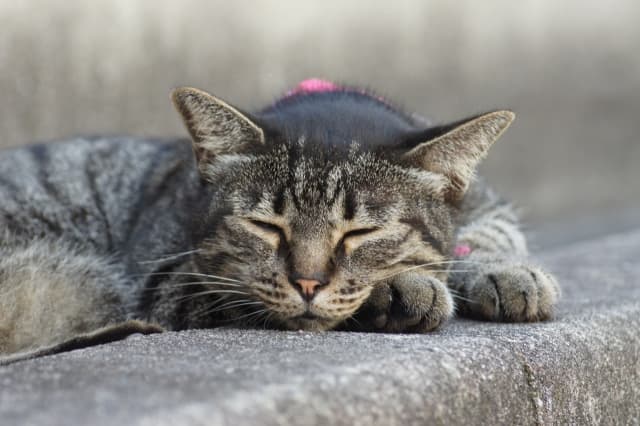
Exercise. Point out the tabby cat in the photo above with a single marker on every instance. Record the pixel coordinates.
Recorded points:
(329, 209)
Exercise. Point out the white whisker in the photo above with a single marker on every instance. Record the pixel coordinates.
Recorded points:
(169, 257)
(356, 321)
(225, 307)
(455, 296)
(195, 274)
(204, 293)
(235, 304)
(424, 265)
(267, 318)
(252, 314)
(201, 283)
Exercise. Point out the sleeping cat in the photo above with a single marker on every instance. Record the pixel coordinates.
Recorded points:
(329, 209)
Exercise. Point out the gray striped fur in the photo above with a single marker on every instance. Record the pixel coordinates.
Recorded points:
(496, 281)
(110, 234)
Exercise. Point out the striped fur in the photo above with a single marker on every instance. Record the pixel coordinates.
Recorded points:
(337, 189)
(496, 281)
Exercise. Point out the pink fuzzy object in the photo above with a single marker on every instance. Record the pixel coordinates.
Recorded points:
(462, 250)
(313, 85)
(317, 85)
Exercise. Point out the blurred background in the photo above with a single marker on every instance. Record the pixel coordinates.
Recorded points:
(570, 70)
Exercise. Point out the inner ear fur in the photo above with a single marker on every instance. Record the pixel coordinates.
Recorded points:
(456, 153)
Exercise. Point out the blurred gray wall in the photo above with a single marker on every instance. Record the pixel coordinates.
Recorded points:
(570, 69)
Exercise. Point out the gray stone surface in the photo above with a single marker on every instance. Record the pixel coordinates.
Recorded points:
(582, 368)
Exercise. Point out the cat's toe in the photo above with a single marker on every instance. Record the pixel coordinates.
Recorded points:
(418, 304)
(513, 292)
(411, 303)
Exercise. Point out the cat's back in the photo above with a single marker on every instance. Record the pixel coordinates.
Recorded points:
(87, 189)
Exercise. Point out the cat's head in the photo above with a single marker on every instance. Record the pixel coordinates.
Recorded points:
(307, 227)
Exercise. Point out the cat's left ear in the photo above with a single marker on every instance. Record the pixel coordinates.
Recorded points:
(457, 152)
(216, 127)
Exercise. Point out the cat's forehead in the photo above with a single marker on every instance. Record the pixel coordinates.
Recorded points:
(314, 190)
(324, 176)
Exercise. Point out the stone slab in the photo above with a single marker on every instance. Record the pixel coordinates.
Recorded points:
(581, 368)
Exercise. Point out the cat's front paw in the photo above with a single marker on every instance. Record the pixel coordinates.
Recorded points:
(509, 291)
(410, 302)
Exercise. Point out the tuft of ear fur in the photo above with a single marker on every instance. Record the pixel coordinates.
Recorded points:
(216, 127)
(457, 153)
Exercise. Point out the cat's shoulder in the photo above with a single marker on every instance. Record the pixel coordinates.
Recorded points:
(82, 148)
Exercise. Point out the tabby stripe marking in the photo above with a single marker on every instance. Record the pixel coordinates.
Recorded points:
(426, 235)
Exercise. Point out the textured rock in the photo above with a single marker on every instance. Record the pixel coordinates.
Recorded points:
(582, 368)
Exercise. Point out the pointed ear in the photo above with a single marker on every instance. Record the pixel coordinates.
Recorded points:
(456, 153)
(216, 128)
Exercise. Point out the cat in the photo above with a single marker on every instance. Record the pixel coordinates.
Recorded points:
(329, 209)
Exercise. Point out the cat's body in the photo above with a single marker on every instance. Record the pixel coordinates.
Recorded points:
(321, 211)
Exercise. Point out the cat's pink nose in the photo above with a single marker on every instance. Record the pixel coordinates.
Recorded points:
(307, 288)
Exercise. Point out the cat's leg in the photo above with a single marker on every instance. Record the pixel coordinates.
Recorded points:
(412, 302)
(493, 278)
(51, 292)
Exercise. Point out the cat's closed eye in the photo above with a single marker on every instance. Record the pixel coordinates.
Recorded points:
(267, 226)
(272, 233)
(348, 237)
(358, 232)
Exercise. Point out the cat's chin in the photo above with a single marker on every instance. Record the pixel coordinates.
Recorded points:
(310, 323)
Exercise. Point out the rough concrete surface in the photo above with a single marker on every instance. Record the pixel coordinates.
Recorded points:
(582, 368)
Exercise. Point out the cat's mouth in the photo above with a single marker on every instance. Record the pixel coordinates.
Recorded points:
(310, 321)
(308, 315)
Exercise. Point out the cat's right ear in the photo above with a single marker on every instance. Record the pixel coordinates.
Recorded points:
(458, 148)
(216, 127)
